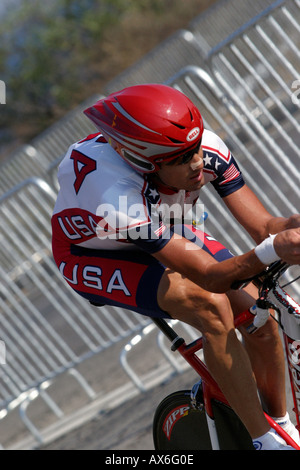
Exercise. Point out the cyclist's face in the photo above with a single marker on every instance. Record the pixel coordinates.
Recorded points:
(184, 175)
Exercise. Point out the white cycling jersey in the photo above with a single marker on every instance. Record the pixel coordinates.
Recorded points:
(105, 204)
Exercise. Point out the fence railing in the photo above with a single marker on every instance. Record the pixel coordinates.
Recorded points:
(40, 158)
(246, 96)
(243, 87)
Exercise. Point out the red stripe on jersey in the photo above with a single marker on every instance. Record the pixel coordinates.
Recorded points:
(211, 149)
(90, 137)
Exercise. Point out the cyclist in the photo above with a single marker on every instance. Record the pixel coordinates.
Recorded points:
(121, 237)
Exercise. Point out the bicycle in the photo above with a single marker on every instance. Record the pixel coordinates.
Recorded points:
(201, 418)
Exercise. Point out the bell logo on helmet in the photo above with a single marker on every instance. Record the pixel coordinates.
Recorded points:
(193, 134)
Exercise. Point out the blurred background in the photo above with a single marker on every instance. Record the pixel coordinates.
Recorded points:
(74, 376)
(55, 54)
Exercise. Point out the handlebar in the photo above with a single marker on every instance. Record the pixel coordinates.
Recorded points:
(266, 279)
(271, 295)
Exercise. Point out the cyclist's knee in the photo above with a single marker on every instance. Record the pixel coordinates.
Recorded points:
(208, 312)
(215, 314)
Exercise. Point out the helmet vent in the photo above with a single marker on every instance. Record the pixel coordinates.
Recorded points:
(177, 125)
(137, 162)
(175, 141)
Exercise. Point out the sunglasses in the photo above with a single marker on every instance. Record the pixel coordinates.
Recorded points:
(186, 157)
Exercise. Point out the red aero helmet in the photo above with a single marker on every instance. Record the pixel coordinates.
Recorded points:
(148, 124)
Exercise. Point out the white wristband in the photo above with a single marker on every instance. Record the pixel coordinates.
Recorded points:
(265, 251)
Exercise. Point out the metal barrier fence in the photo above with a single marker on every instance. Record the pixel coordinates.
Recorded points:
(209, 29)
(41, 157)
(244, 90)
(247, 98)
(46, 328)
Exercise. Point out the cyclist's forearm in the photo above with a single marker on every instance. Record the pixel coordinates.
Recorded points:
(184, 257)
(191, 261)
(220, 277)
(279, 224)
(285, 246)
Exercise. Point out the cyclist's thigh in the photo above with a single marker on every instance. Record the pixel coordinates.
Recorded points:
(184, 300)
(240, 299)
(187, 302)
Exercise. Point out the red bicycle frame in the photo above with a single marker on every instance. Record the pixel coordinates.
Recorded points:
(209, 386)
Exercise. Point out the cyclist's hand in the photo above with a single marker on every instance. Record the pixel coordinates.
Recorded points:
(294, 221)
(287, 245)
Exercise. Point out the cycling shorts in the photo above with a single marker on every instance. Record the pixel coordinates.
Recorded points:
(123, 278)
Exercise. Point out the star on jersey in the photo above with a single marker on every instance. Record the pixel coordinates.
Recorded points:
(217, 163)
(207, 161)
(152, 195)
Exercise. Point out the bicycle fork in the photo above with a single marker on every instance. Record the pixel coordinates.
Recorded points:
(209, 392)
(212, 430)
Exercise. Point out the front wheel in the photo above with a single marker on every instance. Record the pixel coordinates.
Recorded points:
(177, 425)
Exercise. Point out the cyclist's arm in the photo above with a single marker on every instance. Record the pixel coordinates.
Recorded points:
(183, 256)
(252, 215)
(191, 261)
